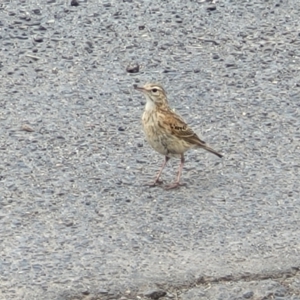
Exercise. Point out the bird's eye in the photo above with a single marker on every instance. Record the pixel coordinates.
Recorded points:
(154, 90)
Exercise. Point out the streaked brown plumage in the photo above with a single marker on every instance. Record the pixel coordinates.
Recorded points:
(167, 132)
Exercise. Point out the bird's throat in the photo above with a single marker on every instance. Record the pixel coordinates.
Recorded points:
(149, 105)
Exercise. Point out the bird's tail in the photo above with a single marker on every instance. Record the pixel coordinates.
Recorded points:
(206, 147)
(199, 143)
(212, 150)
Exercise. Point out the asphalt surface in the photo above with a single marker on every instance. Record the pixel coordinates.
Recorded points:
(77, 222)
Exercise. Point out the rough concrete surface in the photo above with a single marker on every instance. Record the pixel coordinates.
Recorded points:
(77, 222)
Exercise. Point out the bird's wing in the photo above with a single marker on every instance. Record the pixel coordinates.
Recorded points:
(176, 126)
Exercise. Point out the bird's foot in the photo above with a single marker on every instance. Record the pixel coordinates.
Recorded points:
(155, 183)
(174, 185)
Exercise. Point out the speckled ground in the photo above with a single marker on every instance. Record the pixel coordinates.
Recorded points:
(76, 221)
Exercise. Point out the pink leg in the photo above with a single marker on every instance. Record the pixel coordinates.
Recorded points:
(157, 180)
(177, 182)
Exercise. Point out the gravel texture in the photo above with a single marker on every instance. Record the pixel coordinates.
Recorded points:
(76, 221)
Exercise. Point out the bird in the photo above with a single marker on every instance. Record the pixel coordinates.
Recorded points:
(166, 132)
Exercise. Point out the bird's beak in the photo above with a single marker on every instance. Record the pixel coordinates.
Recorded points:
(139, 88)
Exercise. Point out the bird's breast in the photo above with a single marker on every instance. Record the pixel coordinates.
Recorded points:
(160, 136)
(150, 124)
(155, 135)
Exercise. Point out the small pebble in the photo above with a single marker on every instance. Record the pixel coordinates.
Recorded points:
(27, 128)
(133, 68)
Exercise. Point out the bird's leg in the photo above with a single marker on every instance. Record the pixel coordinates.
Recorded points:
(157, 180)
(177, 182)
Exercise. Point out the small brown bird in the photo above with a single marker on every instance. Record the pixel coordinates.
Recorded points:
(167, 132)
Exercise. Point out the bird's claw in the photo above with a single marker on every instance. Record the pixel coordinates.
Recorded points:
(174, 185)
(155, 183)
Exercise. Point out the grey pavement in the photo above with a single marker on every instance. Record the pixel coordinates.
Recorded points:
(77, 221)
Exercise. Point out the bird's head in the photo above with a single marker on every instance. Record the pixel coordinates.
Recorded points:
(154, 93)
